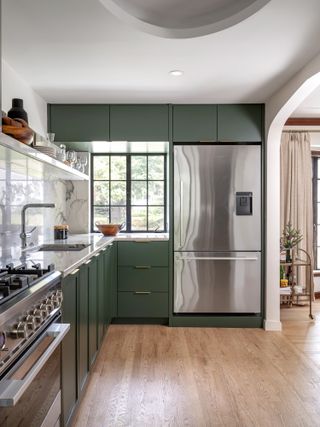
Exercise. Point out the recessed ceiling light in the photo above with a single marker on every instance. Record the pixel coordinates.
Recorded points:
(176, 73)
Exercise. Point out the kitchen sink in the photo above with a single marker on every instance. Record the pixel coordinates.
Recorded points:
(57, 247)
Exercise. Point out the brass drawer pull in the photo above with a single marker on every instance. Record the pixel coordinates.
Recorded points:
(142, 293)
(88, 262)
(74, 272)
(142, 267)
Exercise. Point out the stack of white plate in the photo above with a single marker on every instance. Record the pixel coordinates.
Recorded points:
(50, 151)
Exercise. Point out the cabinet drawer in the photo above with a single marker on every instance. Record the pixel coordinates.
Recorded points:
(143, 254)
(143, 279)
(153, 304)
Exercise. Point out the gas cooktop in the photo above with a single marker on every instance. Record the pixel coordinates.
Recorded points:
(15, 279)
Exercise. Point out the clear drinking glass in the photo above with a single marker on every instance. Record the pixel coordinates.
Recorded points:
(71, 157)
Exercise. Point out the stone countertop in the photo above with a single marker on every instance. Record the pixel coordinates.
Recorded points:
(68, 261)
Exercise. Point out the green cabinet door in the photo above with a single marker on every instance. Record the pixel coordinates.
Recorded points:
(139, 122)
(108, 291)
(69, 346)
(101, 296)
(194, 123)
(240, 123)
(79, 122)
(82, 333)
(93, 310)
(143, 254)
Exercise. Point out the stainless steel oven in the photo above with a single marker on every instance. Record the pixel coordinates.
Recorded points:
(30, 393)
(30, 346)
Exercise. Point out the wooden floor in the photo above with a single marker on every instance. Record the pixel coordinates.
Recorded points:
(157, 376)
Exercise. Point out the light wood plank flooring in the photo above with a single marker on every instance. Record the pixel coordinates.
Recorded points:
(157, 376)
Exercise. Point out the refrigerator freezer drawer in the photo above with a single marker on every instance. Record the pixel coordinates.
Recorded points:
(211, 282)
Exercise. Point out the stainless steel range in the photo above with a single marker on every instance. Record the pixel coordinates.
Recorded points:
(30, 338)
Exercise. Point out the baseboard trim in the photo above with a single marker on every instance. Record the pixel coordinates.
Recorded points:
(272, 325)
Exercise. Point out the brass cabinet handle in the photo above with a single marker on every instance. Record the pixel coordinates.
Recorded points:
(74, 271)
(142, 293)
(142, 267)
(88, 262)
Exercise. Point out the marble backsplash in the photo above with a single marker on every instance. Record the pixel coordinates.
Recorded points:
(19, 185)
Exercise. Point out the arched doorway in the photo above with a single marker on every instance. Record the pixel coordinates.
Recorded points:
(278, 109)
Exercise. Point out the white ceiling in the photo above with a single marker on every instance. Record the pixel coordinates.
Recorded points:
(77, 51)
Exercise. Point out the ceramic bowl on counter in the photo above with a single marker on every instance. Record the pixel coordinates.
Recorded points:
(109, 229)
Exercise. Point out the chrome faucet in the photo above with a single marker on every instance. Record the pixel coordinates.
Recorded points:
(24, 234)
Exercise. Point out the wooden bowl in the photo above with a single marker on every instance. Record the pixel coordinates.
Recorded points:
(109, 229)
(17, 129)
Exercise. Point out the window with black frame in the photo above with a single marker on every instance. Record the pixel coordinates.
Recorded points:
(130, 189)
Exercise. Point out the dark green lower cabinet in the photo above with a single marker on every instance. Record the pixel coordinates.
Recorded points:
(101, 295)
(69, 347)
(86, 306)
(82, 335)
(143, 304)
(93, 311)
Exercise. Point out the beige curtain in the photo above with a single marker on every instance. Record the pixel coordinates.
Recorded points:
(296, 186)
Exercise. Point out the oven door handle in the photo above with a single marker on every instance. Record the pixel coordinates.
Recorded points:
(11, 390)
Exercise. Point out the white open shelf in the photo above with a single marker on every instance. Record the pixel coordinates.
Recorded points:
(14, 151)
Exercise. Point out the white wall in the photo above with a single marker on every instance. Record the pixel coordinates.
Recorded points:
(13, 86)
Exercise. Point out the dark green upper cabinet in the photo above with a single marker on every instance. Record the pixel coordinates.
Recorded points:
(79, 122)
(240, 123)
(139, 122)
(194, 123)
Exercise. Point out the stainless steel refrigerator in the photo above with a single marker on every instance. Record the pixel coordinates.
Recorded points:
(217, 229)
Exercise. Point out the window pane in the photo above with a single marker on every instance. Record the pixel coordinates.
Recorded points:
(156, 193)
(100, 214)
(139, 167)
(156, 167)
(101, 167)
(118, 193)
(118, 215)
(156, 218)
(139, 218)
(118, 167)
(101, 193)
(138, 192)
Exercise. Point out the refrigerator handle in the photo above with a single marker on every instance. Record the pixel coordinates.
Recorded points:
(213, 258)
(181, 214)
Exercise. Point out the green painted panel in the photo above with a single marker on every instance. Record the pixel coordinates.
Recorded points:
(69, 347)
(79, 122)
(101, 296)
(139, 122)
(83, 361)
(93, 310)
(217, 321)
(240, 123)
(143, 254)
(194, 123)
(153, 305)
(146, 279)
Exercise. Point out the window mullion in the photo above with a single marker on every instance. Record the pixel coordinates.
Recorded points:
(128, 193)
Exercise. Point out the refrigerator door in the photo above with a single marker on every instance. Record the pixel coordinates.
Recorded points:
(223, 282)
(217, 198)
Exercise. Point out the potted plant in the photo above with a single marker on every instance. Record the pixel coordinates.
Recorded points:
(291, 237)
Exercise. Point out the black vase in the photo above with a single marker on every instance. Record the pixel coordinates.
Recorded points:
(17, 111)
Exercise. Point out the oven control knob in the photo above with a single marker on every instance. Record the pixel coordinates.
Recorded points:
(39, 315)
(2, 341)
(55, 300)
(31, 322)
(20, 330)
(49, 305)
